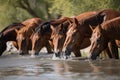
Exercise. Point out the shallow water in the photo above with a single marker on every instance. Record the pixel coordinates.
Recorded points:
(14, 67)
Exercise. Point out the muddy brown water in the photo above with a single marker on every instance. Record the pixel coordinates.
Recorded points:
(14, 67)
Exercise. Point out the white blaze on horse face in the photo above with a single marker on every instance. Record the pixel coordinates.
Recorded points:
(21, 36)
(94, 37)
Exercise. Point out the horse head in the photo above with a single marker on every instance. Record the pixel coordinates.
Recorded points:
(71, 37)
(98, 42)
(40, 37)
(58, 37)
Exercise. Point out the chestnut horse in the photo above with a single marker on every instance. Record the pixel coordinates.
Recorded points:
(78, 33)
(104, 33)
(23, 35)
(9, 34)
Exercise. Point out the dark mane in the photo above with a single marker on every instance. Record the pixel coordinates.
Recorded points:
(59, 21)
(100, 17)
(94, 19)
(11, 26)
(112, 24)
(16, 25)
(44, 27)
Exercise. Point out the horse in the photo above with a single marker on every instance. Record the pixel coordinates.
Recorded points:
(104, 33)
(77, 34)
(9, 34)
(23, 35)
(41, 38)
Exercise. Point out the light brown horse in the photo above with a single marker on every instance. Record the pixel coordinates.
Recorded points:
(23, 35)
(77, 34)
(109, 30)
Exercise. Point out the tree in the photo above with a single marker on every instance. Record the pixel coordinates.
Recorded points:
(20, 10)
(75, 7)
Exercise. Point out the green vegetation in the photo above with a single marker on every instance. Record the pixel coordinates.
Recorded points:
(19, 10)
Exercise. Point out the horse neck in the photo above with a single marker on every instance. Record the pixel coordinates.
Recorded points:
(48, 35)
(9, 36)
(59, 21)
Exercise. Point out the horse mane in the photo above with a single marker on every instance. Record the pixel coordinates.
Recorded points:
(93, 19)
(100, 17)
(112, 24)
(44, 27)
(59, 21)
(11, 27)
(85, 15)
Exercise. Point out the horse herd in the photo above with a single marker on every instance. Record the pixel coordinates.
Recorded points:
(98, 29)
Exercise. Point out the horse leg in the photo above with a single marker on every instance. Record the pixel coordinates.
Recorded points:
(3, 48)
(114, 49)
(108, 52)
(15, 44)
(76, 51)
(48, 47)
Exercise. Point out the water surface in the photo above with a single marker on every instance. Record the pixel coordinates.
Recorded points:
(14, 67)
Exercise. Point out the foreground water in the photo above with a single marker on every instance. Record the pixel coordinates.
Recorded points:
(14, 67)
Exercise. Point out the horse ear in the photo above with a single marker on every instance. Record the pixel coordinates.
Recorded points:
(60, 27)
(76, 21)
(100, 28)
(52, 27)
(91, 28)
(70, 21)
(32, 31)
(16, 30)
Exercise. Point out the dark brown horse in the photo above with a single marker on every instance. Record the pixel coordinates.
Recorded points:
(77, 34)
(109, 30)
(23, 35)
(9, 34)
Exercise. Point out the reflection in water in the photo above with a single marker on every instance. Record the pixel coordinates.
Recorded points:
(26, 68)
(61, 67)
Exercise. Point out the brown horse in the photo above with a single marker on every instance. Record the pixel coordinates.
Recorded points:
(23, 35)
(41, 38)
(9, 34)
(109, 30)
(77, 34)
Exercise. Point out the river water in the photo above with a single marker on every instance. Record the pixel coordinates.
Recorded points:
(14, 67)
